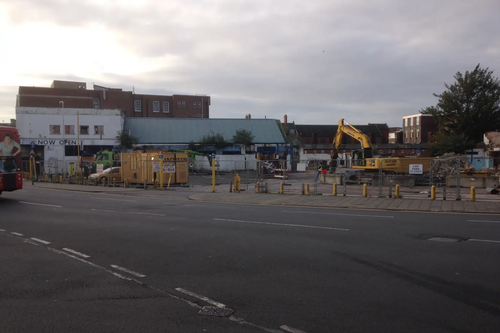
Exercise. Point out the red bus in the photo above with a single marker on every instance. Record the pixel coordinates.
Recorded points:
(11, 175)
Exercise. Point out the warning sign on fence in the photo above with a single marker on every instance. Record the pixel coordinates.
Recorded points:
(168, 168)
(416, 169)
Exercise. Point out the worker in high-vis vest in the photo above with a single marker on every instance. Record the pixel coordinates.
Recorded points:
(320, 169)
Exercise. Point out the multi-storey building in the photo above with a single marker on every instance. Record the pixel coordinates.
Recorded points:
(75, 95)
(54, 134)
(417, 127)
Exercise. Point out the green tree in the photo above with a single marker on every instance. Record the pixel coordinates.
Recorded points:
(441, 143)
(243, 137)
(213, 139)
(126, 140)
(466, 110)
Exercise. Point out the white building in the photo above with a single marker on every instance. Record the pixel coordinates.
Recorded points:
(53, 132)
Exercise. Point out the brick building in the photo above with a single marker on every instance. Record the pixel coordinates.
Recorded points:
(417, 127)
(75, 95)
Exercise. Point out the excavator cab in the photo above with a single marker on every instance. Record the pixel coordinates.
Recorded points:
(359, 156)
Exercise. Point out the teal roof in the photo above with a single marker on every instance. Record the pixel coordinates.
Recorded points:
(185, 130)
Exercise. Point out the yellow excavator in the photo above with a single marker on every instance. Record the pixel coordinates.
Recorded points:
(363, 159)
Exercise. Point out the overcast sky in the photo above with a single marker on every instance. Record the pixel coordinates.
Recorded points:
(368, 61)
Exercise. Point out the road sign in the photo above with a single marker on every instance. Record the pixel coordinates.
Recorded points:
(32, 145)
(212, 156)
(161, 156)
(32, 152)
(416, 169)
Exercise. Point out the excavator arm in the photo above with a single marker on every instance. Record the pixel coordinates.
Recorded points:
(348, 129)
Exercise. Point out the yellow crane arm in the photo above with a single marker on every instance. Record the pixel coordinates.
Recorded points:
(353, 132)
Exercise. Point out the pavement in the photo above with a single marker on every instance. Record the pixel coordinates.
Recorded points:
(222, 194)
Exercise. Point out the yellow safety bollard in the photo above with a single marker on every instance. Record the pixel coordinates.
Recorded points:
(94, 181)
(472, 193)
(307, 189)
(334, 188)
(281, 188)
(114, 182)
(365, 190)
(126, 183)
(61, 179)
(257, 187)
(85, 179)
(104, 181)
(46, 178)
(397, 191)
(433, 192)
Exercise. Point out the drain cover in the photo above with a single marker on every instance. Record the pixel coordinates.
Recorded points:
(445, 239)
(215, 311)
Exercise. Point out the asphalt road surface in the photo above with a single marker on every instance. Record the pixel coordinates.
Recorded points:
(82, 262)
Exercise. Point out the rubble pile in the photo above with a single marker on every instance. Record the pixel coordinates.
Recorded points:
(491, 171)
(450, 164)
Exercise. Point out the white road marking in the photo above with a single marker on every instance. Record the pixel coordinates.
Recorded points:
(340, 214)
(17, 234)
(120, 276)
(125, 212)
(115, 199)
(291, 329)
(39, 204)
(282, 224)
(2, 230)
(40, 240)
(123, 269)
(483, 240)
(484, 221)
(76, 252)
(93, 265)
(203, 298)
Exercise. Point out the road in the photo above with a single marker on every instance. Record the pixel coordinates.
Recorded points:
(84, 262)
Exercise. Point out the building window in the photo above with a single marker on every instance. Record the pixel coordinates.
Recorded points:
(194, 105)
(84, 129)
(418, 121)
(69, 129)
(183, 104)
(55, 129)
(411, 121)
(137, 106)
(98, 129)
(199, 105)
(156, 106)
(178, 104)
(166, 107)
(97, 103)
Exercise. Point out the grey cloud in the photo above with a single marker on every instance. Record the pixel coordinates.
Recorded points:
(364, 61)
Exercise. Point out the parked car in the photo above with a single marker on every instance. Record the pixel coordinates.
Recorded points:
(109, 174)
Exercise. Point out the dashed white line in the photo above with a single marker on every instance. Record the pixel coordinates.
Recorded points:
(483, 221)
(83, 255)
(203, 298)
(40, 240)
(125, 212)
(340, 214)
(118, 275)
(2, 230)
(291, 329)
(123, 269)
(17, 234)
(483, 240)
(282, 224)
(39, 204)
